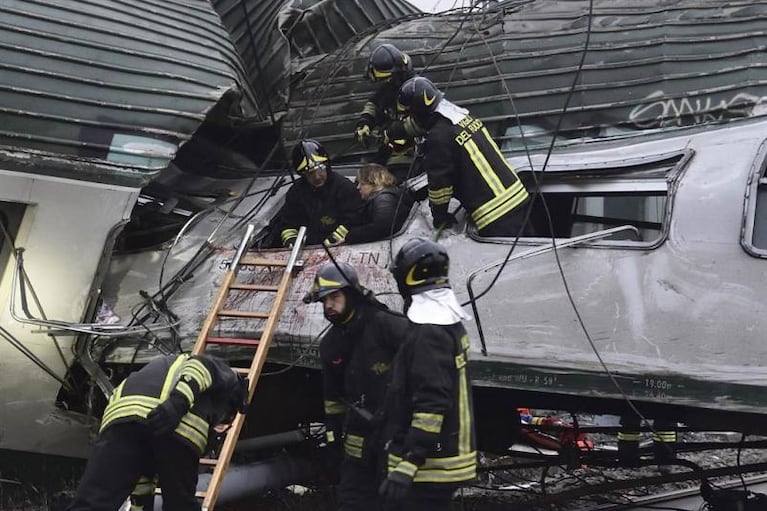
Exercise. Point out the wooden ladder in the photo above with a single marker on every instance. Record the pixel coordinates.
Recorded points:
(261, 344)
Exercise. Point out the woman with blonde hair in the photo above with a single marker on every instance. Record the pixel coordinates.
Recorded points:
(385, 209)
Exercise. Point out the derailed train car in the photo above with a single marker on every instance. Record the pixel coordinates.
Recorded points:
(644, 282)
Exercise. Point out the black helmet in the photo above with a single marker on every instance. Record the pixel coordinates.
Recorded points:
(387, 62)
(419, 97)
(420, 265)
(329, 279)
(308, 154)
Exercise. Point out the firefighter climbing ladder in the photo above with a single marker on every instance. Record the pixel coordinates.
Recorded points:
(260, 344)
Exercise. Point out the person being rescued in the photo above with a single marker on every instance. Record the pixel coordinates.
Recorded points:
(385, 209)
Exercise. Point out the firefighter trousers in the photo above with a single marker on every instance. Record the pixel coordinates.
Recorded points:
(358, 485)
(123, 453)
(425, 497)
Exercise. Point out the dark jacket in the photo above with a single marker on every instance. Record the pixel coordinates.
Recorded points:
(429, 411)
(356, 370)
(321, 210)
(378, 214)
(463, 160)
(209, 381)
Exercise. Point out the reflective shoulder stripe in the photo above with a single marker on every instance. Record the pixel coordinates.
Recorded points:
(353, 445)
(629, 436)
(172, 376)
(483, 167)
(196, 370)
(498, 152)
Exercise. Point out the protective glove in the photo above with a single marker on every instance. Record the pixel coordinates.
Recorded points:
(168, 414)
(396, 486)
(395, 137)
(443, 220)
(362, 134)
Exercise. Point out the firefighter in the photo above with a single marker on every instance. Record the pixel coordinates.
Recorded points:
(157, 423)
(356, 356)
(461, 159)
(321, 200)
(389, 68)
(429, 419)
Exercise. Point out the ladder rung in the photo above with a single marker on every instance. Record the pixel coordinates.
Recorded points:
(242, 370)
(208, 461)
(200, 494)
(254, 287)
(257, 261)
(243, 314)
(233, 341)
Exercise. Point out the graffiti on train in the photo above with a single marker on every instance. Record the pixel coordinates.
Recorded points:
(658, 110)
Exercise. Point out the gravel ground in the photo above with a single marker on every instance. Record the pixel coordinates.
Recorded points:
(503, 489)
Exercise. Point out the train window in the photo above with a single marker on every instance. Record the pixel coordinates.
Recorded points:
(590, 197)
(754, 232)
(11, 214)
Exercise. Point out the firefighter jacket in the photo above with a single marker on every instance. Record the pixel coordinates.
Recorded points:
(383, 214)
(207, 382)
(462, 160)
(322, 210)
(380, 110)
(356, 369)
(428, 411)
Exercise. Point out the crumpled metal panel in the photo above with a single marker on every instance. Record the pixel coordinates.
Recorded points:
(113, 81)
(649, 65)
(284, 30)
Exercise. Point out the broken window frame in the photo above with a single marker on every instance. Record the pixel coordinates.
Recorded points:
(646, 176)
(752, 226)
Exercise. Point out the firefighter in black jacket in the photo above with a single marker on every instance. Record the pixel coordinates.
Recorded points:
(356, 357)
(321, 200)
(157, 423)
(461, 159)
(389, 67)
(429, 421)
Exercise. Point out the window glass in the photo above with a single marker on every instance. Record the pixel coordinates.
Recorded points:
(587, 198)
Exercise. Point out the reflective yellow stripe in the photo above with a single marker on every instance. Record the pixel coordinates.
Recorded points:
(353, 445)
(334, 408)
(429, 422)
(406, 468)
(484, 168)
(196, 437)
(462, 467)
(144, 486)
(120, 412)
(460, 361)
(186, 390)
(629, 437)
(288, 234)
(199, 373)
(441, 195)
(500, 205)
(172, 376)
(354, 452)
(330, 436)
(465, 342)
(464, 412)
(341, 231)
(380, 74)
(355, 440)
(664, 436)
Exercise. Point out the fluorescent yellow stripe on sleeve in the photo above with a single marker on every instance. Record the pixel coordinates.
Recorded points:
(429, 422)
